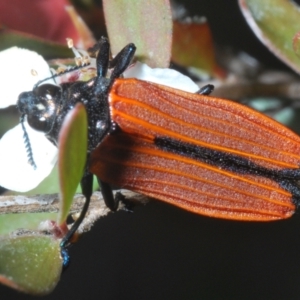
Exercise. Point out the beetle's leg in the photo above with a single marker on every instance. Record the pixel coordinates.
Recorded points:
(113, 202)
(87, 190)
(65, 258)
(122, 61)
(110, 201)
(206, 90)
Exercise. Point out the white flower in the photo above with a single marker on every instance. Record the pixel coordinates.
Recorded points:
(166, 77)
(16, 77)
(20, 70)
(15, 171)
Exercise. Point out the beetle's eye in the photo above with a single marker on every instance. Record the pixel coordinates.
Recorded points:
(24, 102)
(40, 106)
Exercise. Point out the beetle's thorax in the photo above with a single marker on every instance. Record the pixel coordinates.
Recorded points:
(47, 106)
(94, 97)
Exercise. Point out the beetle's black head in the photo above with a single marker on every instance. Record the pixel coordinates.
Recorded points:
(46, 106)
(40, 106)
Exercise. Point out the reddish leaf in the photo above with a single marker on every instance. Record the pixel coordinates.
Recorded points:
(84, 32)
(45, 19)
(193, 46)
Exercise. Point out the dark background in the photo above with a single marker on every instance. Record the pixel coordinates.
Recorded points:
(161, 252)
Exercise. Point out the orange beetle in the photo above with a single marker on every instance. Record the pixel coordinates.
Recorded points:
(207, 155)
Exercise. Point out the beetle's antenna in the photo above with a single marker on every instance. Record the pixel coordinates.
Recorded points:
(69, 70)
(27, 143)
(81, 62)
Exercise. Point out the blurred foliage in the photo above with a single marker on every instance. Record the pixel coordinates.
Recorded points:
(275, 23)
(32, 262)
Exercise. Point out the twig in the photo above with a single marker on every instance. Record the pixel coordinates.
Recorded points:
(50, 203)
(239, 90)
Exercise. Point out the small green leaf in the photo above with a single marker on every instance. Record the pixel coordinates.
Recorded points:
(147, 24)
(276, 24)
(30, 263)
(72, 148)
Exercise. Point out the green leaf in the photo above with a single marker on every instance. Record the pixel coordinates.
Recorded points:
(72, 149)
(30, 263)
(12, 222)
(147, 24)
(276, 24)
(49, 50)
